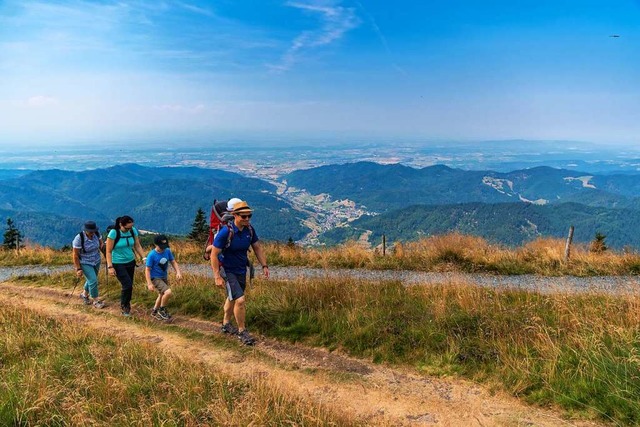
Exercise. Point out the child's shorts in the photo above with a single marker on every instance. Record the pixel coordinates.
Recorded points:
(161, 284)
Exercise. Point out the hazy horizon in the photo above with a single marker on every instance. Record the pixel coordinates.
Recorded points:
(226, 143)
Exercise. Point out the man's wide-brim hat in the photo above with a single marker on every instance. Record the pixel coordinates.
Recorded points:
(90, 227)
(241, 207)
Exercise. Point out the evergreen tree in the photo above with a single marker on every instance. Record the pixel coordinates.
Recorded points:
(199, 227)
(12, 236)
(597, 244)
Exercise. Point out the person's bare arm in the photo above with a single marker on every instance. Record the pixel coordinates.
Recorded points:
(76, 261)
(175, 266)
(262, 258)
(147, 275)
(108, 255)
(215, 266)
(137, 247)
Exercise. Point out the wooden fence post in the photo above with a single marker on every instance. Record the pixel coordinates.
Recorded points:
(384, 245)
(567, 247)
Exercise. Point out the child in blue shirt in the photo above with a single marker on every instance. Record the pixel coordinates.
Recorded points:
(157, 264)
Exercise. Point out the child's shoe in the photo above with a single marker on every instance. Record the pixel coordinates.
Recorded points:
(164, 315)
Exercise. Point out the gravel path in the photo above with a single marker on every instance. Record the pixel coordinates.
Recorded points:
(610, 284)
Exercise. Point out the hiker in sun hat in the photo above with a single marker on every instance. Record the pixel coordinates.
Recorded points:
(86, 248)
(158, 262)
(229, 264)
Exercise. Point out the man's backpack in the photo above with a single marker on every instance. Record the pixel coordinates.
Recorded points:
(219, 217)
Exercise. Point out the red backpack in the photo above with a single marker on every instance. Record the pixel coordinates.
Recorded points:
(219, 217)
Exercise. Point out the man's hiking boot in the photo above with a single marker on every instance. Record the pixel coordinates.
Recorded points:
(245, 338)
(229, 329)
(164, 314)
(85, 299)
(126, 311)
(98, 303)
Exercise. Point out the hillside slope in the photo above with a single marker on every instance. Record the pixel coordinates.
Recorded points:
(383, 188)
(50, 206)
(508, 223)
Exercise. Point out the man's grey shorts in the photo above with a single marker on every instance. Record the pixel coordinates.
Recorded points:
(161, 284)
(236, 284)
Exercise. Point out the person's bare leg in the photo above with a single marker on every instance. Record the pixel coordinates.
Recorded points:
(228, 311)
(239, 312)
(165, 298)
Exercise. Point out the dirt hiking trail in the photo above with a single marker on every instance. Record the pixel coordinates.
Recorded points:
(375, 394)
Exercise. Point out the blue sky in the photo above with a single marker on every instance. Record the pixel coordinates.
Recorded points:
(82, 71)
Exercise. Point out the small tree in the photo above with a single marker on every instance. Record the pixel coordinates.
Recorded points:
(199, 228)
(12, 236)
(597, 244)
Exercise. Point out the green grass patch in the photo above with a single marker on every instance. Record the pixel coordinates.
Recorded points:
(59, 373)
(580, 352)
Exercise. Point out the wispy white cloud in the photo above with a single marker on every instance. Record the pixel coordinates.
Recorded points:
(64, 35)
(335, 21)
(179, 108)
(195, 9)
(381, 37)
(40, 101)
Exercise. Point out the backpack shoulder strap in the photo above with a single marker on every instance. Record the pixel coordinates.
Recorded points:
(115, 241)
(82, 241)
(231, 233)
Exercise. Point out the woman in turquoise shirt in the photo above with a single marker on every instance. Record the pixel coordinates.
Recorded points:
(123, 244)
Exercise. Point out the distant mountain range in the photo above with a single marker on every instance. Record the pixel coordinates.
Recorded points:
(404, 203)
(510, 208)
(386, 187)
(507, 223)
(50, 206)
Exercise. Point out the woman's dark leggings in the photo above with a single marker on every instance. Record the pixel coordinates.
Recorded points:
(124, 273)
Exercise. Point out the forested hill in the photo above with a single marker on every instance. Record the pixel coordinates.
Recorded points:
(506, 223)
(50, 206)
(382, 188)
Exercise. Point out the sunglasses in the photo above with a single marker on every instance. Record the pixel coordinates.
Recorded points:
(245, 216)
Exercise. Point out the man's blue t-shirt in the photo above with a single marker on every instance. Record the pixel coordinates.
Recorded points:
(234, 258)
(159, 262)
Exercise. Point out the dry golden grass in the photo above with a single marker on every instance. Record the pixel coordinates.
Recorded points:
(451, 252)
(34, 255)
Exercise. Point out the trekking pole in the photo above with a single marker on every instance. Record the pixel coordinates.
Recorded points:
(74, 289)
